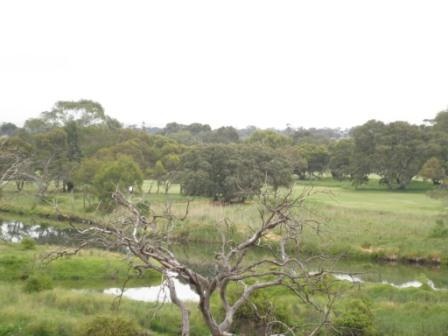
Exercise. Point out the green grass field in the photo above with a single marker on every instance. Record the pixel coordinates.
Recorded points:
(380, 223)
(368, 222)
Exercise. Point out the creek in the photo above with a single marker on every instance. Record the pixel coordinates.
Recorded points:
(197, 256)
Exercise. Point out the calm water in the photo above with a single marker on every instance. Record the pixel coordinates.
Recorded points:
(158, 293)
(197, 256)
(15, 231)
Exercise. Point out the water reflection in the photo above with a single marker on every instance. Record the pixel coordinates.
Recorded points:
(159, 293)
(198, 257)
(413, 284)
(185, 293)
(408, 284)
(15, 232)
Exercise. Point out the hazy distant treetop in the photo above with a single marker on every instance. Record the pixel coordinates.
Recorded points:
(315, 135)
(270, 138)
(8, 129)
(441, 121)
(194, 128)
(84, 112)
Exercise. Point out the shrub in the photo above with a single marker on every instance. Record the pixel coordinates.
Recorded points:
(110, 326)
(37, 283)
(28, 243)
(257, 314)
(354, 319)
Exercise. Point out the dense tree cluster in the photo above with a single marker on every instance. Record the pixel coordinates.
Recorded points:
(232, 172)
(76, 145)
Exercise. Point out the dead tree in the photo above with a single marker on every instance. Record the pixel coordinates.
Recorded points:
(42, 177)
(150, 238)
(11, 167)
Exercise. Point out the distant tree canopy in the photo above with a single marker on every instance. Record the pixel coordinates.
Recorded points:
(317, 157)
(394, 151)
(8, 129)
(340, 162)
(118, 174)
(232, 172)
(269, 138)
(103, 177)
(433, 170)
(200, 134)
(83, 112)
(69, 143)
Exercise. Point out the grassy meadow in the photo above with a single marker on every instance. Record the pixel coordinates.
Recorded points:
(368, 223)
(63, 311)
(374, 222)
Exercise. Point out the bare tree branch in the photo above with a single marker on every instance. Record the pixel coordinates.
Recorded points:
(149, 238)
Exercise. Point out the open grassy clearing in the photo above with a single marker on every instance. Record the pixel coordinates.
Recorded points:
(89, 268)
(60, 312)
(379, 223)
(369, 222)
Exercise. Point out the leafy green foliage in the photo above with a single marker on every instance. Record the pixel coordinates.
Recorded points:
(28, 243)
(116, 174)
(354, 319)
(104, 177)
(317, 157)
(257, 314)
(37, 283)
(394, 151)
(232, 172)
(340, 163)
(269, 138)
(8, 129)
(433, 170)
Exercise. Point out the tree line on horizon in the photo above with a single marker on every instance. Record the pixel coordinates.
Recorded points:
(77, 146)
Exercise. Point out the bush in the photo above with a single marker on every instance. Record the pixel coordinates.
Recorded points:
(37, 283)
(354, 319)
(121, 173)
(111, 326)
(28, 243)
(255, 316)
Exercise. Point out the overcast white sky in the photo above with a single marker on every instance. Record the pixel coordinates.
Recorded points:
(264, 63)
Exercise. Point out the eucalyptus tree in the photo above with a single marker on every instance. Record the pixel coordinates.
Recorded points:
(8, 129)
(399, 154)
(365, 138)
(269, 138)
(47, 159)
(231, 173)
(296, 160)
(317, 157)
(14, 154)
(83, 112)
(223, 135)
(102, 177)
(394, 151)
(433, 170)
(438, 138)
(340, 163)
